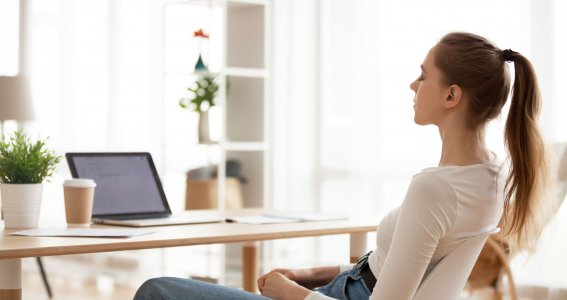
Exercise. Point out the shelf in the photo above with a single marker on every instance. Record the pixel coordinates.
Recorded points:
(238, 54)
(229, 146)
(247, 2)
(235, 72)
(246, 72)
(244, 146)
(191, 2)
(231, 3)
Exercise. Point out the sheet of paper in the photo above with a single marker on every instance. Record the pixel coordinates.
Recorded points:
(286, 218)
(259, 219)
(309, 216)
(83, 232)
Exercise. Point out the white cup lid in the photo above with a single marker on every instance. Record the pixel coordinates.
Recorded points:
(79, 182)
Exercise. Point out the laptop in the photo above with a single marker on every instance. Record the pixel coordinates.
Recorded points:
(128, 191)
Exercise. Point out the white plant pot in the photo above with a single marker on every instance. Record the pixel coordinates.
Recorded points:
(21, 204)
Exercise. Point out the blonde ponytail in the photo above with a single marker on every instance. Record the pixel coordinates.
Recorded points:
(529, 178)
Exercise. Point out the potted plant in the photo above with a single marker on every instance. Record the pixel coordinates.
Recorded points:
(204, 93)
(24, 165)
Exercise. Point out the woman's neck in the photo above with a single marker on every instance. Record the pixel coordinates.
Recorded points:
(462, 147)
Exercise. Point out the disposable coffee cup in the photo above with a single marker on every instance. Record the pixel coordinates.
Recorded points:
(79, 195)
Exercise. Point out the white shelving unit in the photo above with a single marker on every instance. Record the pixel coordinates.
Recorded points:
(238, 52)
(247, 106)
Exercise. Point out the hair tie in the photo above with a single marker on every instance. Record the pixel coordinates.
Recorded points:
(508, 55)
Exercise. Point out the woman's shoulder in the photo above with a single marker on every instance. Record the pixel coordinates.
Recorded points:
(455, 177)
(450, 174)
(432, 184)
(456, 182)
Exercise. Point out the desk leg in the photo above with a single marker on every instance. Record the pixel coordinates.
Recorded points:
(11, 279)
(250, 266)
(357, 246)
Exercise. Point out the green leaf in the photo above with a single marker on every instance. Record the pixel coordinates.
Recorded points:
(204, 91)
(23, 161)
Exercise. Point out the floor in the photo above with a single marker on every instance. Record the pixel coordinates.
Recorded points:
(65, 289)
(87, 277)
(105, 276)
(105, 289)
(99, 289)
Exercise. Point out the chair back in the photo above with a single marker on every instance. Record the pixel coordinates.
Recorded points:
(561, 152)
(447, 280)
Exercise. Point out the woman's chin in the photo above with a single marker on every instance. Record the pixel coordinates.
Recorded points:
(421, 122)
(417, 121)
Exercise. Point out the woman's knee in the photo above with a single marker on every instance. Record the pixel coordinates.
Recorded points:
(155, 288)
(178, 288)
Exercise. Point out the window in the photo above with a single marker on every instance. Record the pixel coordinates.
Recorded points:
(9, 31)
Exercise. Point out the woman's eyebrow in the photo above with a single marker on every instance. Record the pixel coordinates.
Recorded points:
(423, 69)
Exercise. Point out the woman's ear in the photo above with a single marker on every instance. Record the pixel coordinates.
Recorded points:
(454, 96)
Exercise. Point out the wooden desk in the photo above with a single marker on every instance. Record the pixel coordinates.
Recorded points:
(13, 248)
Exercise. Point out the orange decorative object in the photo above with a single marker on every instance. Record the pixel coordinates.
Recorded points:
(200, 33)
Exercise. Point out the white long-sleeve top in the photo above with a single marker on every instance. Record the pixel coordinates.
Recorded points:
(443, 207)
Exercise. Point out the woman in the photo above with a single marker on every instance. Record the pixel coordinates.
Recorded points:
(464, 83)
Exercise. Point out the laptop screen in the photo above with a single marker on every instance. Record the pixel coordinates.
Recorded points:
(127, 183)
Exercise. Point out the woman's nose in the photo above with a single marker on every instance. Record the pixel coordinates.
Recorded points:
(412, 86)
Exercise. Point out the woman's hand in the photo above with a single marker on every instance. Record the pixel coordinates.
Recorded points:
(262, 279)
(277, 286)
(308, 278)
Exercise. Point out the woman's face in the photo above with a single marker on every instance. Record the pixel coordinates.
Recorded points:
(430, 93)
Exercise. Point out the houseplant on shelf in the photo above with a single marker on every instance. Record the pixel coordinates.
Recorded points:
(24, 165)
(204, 93)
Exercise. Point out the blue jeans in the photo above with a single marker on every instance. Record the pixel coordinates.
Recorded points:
(347, 285)
(178, 288)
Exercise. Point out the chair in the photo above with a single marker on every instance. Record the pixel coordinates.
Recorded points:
(447, 279)
(485, 280)
(502, 255)
(561, 151)
(493, 263)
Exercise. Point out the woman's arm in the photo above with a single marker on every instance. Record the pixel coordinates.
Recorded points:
(313, 277)
(428, 211)
(308, 278)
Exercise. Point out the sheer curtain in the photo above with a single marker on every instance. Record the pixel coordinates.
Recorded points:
(359, 145)
(96, 82)
(95, 77)
(343, 132)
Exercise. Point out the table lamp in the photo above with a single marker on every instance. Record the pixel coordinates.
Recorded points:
(15, 93)
(15, 99)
